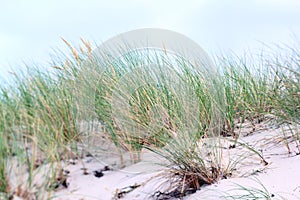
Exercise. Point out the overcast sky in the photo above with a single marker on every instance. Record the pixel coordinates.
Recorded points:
(31, 29)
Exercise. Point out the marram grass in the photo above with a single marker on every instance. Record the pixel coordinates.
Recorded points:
(143, 100)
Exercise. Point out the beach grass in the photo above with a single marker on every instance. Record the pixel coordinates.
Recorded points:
(156, 101)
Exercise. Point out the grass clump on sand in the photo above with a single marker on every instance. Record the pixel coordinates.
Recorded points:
(38, 126)
(154, 100)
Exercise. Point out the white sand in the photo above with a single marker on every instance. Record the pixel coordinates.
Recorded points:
(281, 176)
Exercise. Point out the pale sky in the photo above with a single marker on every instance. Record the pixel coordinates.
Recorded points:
(30, 30)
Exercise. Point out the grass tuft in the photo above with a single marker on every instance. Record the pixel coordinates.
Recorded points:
(145, 99)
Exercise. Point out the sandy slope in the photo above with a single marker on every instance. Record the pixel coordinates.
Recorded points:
(281, 176)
